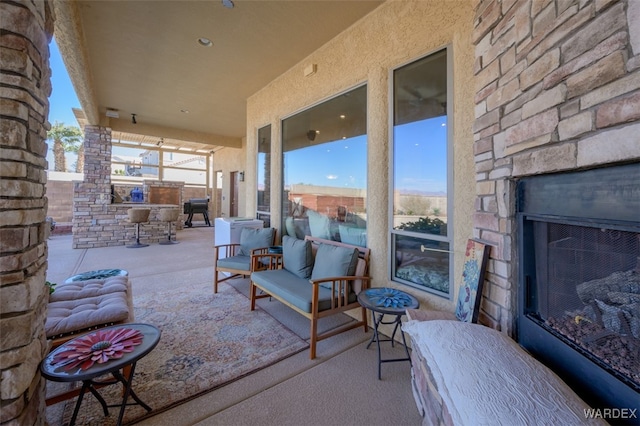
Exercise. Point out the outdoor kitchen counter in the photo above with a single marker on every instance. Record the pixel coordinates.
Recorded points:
(111, 226)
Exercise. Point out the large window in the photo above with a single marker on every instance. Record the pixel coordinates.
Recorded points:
(421, 229)
(264, 175)
(325, 170)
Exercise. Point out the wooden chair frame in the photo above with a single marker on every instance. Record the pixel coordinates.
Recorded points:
(230, 250)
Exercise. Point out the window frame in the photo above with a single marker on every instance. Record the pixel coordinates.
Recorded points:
(283, 213)
(393, 233)
(260, 214)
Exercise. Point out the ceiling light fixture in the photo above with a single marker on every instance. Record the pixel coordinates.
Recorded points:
(205, 42)
(184, 111)
(112, 113)
(133, 119)
(228, 4)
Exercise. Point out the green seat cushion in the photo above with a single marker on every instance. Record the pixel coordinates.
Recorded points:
(293, 289)
(235, 262)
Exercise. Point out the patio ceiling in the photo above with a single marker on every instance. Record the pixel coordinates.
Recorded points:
(144, 58)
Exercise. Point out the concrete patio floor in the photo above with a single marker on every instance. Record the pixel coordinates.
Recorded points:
(277, 390)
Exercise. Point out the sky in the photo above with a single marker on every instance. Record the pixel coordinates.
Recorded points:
(417, 172)
(63, 98)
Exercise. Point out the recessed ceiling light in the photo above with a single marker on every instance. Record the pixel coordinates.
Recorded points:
(205, 42)
(342, 116)
(185, 111)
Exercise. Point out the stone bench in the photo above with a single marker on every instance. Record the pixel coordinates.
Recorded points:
(466, 374)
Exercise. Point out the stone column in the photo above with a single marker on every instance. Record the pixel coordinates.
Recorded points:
(92, 197)
(557, 89)
(27, 27)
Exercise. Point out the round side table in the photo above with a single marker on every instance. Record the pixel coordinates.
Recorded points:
(387, 301)
(59, 372)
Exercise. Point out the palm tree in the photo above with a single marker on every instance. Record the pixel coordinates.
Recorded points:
(65, 139)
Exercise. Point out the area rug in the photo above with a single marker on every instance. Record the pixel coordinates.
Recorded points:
(207, 341)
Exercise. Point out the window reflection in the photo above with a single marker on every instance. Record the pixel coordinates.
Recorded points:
(264, 175)
(134, 163)
(420, 226)
(325, 170)
(422, 262)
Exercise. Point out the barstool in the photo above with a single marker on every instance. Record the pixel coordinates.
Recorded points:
(138, 216)
(169, 215)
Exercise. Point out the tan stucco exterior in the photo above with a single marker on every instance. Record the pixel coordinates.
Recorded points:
(228, 160)
(394, 34)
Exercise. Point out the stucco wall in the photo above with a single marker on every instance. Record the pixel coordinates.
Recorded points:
(229, 160)
(393, 35)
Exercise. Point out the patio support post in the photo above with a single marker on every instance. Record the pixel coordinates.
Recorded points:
(27, 28)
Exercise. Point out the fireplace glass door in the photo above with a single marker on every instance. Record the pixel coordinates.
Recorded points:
(588, 292)
(579, 279)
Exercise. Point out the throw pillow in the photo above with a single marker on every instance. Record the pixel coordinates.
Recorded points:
(297, 256)
(251, 238)
(334, 261)
(319, 225)
(352, 235)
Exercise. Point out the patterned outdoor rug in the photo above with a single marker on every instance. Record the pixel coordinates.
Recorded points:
(207, 341)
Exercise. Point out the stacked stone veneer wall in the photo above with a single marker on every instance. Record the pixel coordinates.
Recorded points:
(97, 222)
(25, 86)
(557, 89)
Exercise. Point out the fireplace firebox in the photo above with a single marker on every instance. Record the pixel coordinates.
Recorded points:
(579, 280)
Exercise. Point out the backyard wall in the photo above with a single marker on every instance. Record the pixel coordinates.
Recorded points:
(27, 28)
(392, 35)
(557, 89)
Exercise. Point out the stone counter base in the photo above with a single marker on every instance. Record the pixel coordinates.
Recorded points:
(108, 225)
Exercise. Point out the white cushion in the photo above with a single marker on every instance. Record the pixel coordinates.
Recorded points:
(486, 378)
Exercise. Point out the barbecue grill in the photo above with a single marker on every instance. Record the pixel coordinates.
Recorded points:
(196, 205)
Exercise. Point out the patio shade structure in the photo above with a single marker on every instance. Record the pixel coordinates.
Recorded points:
(184, 69)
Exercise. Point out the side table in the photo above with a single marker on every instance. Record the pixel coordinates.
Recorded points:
(387, 301)
(60, 371)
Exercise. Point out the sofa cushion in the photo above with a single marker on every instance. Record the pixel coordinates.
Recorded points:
(353, 235)
(295, 290)
(89, 288)
(67, 316)
(334, 261)
(241, 262)
(297, 256)
(319, 225)
(251, 238)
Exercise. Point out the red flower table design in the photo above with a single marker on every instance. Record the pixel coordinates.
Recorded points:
(104, 351)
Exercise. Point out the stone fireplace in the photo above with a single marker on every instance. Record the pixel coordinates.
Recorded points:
(557, 93)
(579, 279)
